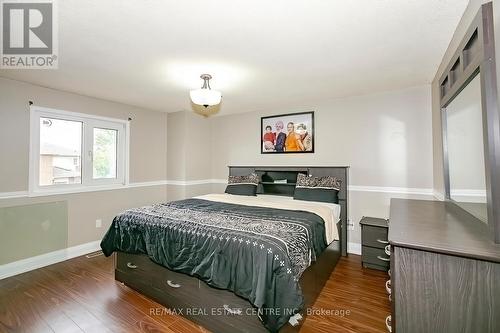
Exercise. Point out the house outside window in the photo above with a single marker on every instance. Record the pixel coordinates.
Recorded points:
(72, 152)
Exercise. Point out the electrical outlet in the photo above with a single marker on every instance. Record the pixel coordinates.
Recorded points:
(350, 225)
(98, 223)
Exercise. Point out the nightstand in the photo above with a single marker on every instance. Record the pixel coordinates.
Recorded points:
(374, 241)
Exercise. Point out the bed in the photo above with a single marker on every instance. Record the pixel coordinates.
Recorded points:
(234, 263)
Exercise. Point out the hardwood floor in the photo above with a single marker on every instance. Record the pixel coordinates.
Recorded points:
(81, 295)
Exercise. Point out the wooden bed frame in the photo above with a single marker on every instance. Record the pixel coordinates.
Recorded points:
(221, 310)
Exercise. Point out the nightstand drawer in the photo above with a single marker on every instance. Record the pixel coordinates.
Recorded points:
(375, 256)
(374, 236)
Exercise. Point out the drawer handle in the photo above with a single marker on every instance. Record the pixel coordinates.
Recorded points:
(173, 285)
(294, 320)
(388, 323)
(383, 259)
(232, 311)
(131, 265)
(389, 272)
(387, 250)
(388, 286)
(382, 241)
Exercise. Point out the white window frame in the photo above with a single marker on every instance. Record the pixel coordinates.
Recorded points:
(89, 123)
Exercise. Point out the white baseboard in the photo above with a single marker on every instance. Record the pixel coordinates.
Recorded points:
(391, 189)
(439, 195)
(29, 264)
(354, 248)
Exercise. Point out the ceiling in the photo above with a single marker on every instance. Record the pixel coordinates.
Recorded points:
(262, 54)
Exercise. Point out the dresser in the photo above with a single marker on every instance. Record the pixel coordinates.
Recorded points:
(445, 270)
(374, 252)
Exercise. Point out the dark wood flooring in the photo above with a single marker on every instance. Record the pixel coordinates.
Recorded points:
(81, 295)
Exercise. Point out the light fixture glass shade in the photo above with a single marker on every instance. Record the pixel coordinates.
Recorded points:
(205, 96)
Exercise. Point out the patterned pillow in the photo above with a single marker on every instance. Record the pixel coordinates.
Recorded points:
(328, 182)
(323, 189)
(243, 185)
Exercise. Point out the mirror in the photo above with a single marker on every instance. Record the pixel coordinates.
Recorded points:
(465, 150)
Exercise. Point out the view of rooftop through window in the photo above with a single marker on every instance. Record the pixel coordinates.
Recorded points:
(60, 151)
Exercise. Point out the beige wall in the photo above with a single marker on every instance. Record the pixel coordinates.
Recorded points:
(84, 209)
(176, 143)
(44, 228)
(390, 139)
(386, 138)
(148, 141)
(374, 134)
(148, 157)
(188, 155)
(198, 140)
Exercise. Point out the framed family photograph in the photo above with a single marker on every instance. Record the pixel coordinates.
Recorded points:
(287, 133)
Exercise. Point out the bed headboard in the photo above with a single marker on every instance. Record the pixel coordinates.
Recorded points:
(268, 185)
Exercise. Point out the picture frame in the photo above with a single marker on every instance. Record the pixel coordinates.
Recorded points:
(278, 137)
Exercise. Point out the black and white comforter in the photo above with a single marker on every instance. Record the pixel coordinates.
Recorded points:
(258, 253)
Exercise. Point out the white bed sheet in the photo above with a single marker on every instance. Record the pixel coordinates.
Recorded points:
(329, 212)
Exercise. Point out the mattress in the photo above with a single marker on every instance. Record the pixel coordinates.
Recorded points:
(255, 250)
(329, 212)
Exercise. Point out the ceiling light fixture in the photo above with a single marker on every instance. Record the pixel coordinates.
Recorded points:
(205, 95)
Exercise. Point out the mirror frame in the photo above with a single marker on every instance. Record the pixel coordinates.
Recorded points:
(476, 55)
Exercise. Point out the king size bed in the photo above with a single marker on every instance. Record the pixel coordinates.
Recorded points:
(238, 262)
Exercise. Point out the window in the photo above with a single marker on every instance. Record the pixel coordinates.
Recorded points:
(60, 151)
(73, 152)
(104, 153)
